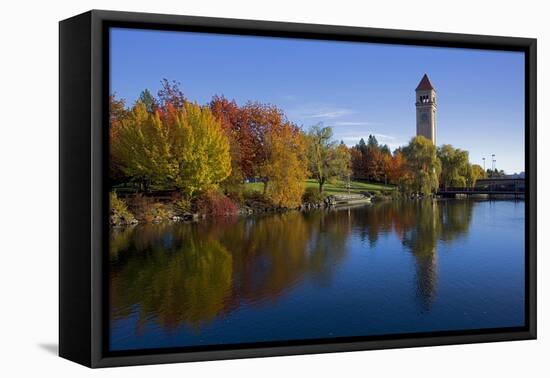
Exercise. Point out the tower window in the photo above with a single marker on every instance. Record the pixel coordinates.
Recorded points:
(424, 99)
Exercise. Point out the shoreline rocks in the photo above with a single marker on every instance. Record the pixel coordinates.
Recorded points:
(255, 206)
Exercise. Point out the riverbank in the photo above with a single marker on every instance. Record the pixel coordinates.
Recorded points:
(129, 207)
(140, 209)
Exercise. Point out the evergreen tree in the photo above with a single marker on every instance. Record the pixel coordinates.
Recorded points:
(147, 99)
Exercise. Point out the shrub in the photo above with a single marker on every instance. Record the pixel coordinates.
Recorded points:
(214, 203)
(182, 206)
(236, 195)
(255, 196)
(146, 209)
(312, 195)
(256, 200)
(119, 213)
(158, 213)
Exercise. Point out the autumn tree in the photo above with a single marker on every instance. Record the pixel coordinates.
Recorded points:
(117, 111)
(376, 164)
(423, 166)
(170, 93)
(200, 150)
(117, 114)
(359, 160)
(142, 148)
(187, 150)
(285, 168)
(228, 114)
(327, 159)
(396, 167)
(370, 160)
(343, 156)
(258, 122)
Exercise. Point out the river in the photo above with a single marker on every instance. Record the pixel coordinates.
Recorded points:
(379, 269)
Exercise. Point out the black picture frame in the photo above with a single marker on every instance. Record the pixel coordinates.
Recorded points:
(83, 196)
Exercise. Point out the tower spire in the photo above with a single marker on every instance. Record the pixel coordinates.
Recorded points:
(425, 84)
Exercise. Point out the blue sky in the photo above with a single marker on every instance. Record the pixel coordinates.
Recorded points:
(356, 88)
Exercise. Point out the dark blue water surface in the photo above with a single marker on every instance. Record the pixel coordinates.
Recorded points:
(395, 267)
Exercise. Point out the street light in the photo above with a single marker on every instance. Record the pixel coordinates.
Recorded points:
(483, 164)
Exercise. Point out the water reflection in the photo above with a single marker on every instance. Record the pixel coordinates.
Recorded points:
(191, 274)
(429, 222)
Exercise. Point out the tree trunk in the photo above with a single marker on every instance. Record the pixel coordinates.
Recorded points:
(321, 184)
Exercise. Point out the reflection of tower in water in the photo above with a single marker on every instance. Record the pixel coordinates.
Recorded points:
(426, 265)
(432, 222)
(426, 278)
(421, 239)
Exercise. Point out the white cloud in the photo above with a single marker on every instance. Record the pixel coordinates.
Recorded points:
(313, 111)
(380, 137)
(329, 113)
(353, 123)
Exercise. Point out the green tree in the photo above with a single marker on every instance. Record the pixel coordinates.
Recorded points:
(372, 142)
(147, 99)
(474, 173)
(423, 166)
(495, 173)
(327, 159)
(385, 149)
(362, 146)
(455, 167)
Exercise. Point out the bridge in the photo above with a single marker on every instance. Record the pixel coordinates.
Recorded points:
(488, 187)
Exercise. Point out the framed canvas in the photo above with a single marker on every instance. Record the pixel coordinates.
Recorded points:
(235, 188)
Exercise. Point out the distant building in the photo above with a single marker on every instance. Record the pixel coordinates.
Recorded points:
(520, 175)
(425, 109)
(501, 184)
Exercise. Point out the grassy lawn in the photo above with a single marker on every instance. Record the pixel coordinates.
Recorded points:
(337, 187)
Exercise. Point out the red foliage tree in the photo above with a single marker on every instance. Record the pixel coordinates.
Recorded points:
(170, 93)
(248, 125)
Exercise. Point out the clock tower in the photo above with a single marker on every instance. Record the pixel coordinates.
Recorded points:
(425, 109)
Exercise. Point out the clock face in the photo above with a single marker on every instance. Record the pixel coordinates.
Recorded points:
(424, 117)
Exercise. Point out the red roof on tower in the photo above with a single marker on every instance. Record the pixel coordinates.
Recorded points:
(425, 84)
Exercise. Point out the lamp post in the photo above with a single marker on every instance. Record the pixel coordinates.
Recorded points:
(493, 163)
(483, 164)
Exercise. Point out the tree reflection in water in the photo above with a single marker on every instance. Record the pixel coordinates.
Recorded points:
(189, 274)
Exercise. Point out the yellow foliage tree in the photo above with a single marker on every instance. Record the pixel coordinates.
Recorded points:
(286, 165)
(142, 147)
(187, 150)
(200, 150)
